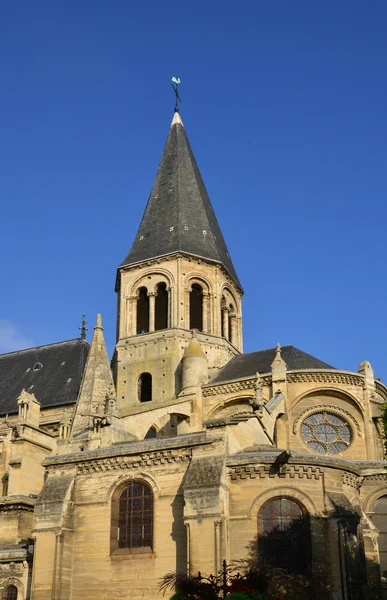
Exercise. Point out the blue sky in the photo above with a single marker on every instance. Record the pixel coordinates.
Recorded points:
(284, 104)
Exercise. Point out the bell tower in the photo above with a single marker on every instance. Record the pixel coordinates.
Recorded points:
(177, 282)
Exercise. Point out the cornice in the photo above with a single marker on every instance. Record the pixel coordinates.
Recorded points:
(235, 386)
(286, 471)
(145, 447)
(305, 460)
(150, 459)
(325, 376)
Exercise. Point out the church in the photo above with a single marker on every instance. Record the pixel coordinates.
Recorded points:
(182, 451)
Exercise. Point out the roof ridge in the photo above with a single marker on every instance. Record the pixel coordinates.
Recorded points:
(44, 346)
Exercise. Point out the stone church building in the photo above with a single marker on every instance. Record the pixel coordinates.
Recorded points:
(182, 451)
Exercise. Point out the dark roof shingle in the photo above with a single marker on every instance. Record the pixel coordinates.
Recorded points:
(52, 373)
(246, 365)
(179, 215)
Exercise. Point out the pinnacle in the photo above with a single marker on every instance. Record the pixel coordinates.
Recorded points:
(176, 119)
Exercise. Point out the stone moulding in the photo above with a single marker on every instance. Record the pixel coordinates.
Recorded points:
(381, 390)
(377, 477)
(229, 388)
(262, 471)
(352, 480)
(325, 377)
(328, 408)
(131, 449)
(313, 460)
(232, 387)
(125, 462)
(291, 377)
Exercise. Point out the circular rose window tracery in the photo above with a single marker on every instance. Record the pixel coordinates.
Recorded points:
(326, 433)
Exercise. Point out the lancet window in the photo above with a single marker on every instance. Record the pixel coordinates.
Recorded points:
(10, 593)
(145, 387)
(151, 433)
(196, 307)
(142, 311)
(161, 307)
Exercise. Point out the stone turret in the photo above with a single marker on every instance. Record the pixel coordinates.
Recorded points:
(178, 278)
(195, 367)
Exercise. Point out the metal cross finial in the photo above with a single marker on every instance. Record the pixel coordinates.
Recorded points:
(176, 81)
(83, 328)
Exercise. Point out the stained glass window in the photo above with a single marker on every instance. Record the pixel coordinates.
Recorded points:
(135, 519)
(326, 433)
(283, 535)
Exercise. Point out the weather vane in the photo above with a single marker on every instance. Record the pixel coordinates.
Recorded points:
(176, 81)
(83, 328)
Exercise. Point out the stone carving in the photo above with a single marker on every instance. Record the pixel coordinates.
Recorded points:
(352, 480)
(262, 471)
(377, 477)
(319, 377)
(227, 388)
(12, 569)
(126, 462)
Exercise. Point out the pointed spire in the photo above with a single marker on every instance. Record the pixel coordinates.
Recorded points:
(278, 367)
(96, 386)
(179, 216)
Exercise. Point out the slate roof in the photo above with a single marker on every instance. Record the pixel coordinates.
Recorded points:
(179, 215)
(246, 365)
(52, 373)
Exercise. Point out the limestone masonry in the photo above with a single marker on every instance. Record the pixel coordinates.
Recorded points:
(183, 451)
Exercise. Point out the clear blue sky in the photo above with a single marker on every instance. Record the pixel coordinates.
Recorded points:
(285, 106)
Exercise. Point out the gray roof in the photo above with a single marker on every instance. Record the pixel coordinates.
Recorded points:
(179, 215)
(52, 373)
(246, 365)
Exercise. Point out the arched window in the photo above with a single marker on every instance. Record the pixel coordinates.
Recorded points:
(10, 593)
(284, 535)
(161, 307)
(151, 433)
(196, 307)
(379, 519)
(145, 387)
(142, 311)
(135, 516)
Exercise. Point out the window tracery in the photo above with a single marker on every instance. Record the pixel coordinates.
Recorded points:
(326, 432)
(135, 516)
(284, 534)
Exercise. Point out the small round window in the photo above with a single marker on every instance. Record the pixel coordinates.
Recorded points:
(326, 433)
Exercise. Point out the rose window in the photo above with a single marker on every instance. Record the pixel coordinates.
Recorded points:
(326, 433)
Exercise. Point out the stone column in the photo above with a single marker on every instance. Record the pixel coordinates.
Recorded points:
(170, 321)
(217, 558)
(152, 302)
(234, 330)
(205, 312)
(186, 307)
(132, 315)
(225, 321)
